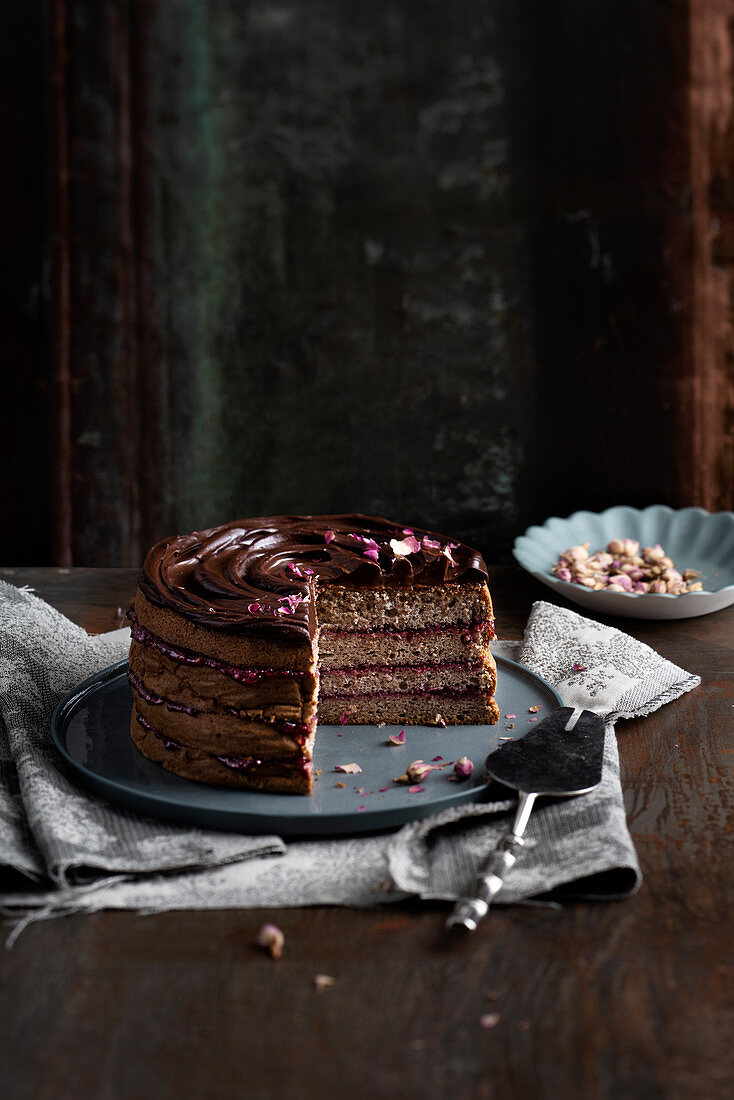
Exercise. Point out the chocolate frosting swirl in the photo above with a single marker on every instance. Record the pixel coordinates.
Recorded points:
(258, 576)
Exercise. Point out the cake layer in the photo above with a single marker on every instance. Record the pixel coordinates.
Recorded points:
(290, 654)
(448, 642)
(198, 686)
(222, 733)
(448, 675)
(401, 607)
(409, 710)
(285, 777)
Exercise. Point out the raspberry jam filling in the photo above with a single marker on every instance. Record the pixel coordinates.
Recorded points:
(188, 657)
(391, 670)
(443, 693)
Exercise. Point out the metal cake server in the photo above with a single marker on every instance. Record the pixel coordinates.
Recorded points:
(561, 757)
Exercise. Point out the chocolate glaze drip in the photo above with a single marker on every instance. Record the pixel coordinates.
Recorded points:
(258, 576)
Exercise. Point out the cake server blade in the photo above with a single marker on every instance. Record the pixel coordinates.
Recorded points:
(561, 758)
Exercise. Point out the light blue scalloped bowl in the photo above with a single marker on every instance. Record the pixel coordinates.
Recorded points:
(692, 537)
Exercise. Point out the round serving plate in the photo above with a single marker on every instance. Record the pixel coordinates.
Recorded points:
(91, 729)
(692, 537)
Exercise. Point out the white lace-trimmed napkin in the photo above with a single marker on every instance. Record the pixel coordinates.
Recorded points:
(63, 849)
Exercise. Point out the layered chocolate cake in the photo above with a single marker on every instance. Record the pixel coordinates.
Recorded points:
(243, 634)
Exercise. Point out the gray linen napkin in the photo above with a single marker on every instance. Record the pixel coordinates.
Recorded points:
(86, 854)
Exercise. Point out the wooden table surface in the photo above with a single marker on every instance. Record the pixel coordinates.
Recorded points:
(621, 999)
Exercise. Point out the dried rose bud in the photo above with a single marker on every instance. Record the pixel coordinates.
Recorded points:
(563, 574)
(658, 586)
(463, 767)
(653, 553)
(621, 581)
(271, 939)
(416, 772)
(625, 547)
(577, 553)
(398, 738)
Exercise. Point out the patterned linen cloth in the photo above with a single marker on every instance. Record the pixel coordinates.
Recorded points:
(63, 849)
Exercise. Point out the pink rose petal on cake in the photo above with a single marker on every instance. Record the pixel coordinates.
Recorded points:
(408, 531)
(329, 536)
(409, 545)
(373, 554)
(253, 608)
(398, 738)
(431, 544)
(349, 769)
(447, 554)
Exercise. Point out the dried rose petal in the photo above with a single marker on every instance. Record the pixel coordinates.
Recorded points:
(373, 554)
(580, 668)
(408, 531)
(408, 545)
(271, 939)
(295, 569)
(349, 769)
(416, 789)
(323, 981)
(329, 536)
(398, 738)
(253, 608)
(489, 1020)
(344, 717)
(463, 767)
(447, 553)
(431, 544)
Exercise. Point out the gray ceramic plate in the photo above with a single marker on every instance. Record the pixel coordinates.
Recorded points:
(91, 730)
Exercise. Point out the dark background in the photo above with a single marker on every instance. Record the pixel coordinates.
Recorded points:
(464, 265)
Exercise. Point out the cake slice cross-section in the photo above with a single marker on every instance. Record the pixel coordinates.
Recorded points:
(244, 635)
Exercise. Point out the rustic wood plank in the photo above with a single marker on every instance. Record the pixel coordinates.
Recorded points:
(622, 999)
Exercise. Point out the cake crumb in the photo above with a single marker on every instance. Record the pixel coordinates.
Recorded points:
(339, 784)
(271, 939)
(323, 981)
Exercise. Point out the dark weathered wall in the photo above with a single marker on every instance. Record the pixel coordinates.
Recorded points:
(339, 277)
(461, 264)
